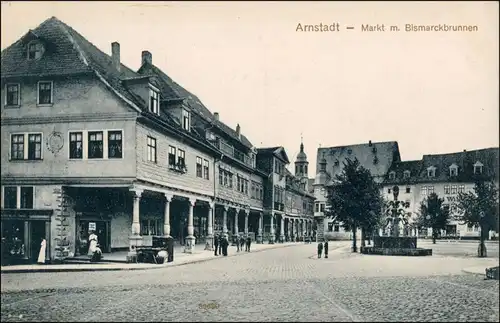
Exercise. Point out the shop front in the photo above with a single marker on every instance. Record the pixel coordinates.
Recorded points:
(22, 233)
(91, 222)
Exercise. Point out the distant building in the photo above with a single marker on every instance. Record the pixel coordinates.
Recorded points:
(446, 175)
(377, 157)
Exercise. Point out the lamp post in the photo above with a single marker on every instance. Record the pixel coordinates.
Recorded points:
(481, 252)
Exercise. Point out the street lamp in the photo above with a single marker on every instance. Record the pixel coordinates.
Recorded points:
(481, 252)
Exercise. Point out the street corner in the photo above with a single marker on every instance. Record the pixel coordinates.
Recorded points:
(477, 270)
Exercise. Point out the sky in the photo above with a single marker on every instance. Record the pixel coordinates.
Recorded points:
(432, 92)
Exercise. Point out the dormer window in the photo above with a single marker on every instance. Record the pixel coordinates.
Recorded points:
(154, 101)
(478, 168)
(35, 50)
(186, 120)
(406, 174)
(431, 171)
(392, 175)
(453, 170)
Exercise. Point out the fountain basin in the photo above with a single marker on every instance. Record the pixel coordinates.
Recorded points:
(395, 246)
(396, 251)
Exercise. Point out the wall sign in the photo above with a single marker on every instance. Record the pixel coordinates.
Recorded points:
(55, 142)
(92, 226)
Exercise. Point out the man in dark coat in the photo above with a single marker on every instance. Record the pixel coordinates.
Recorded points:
(320, 249)
(326, 248)
(248, 244)
(221, 237)
(225, 244)
(242, 242)
(216, 244)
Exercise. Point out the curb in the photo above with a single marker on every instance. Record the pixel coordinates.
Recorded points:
(195, 261)
(474, 271)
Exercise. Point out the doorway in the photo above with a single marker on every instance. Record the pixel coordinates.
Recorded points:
(102, 230)
(37, 234)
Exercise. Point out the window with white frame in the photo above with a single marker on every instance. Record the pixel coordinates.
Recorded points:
(430, 190)
(76, 145)
(199, 167)
(454, 189)
(10, 197)
(45, 92)
(12, 94)
(461, 189)
(154, 101)
(431, 172)
(95, 145)
(172, 153)
(423, 190)
(27, 197)
(34, 146)
(151, 146)
(35, 50)
(181, 158)
(447, 189)
(17, 147)
(26, 146)
(478, 168)
(186, 120)
(453, 170)
(206, 169)
(115, 144)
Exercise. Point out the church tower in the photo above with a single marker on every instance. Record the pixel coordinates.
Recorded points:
(301, 165)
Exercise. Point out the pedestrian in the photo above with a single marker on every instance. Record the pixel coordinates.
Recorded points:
(216, 244)
(249, 243)
(320, 249)
(221, 237)
(242, 242)
(326, 248)
(41, 254)
(225, 244)
(92, 244)
(237, 240)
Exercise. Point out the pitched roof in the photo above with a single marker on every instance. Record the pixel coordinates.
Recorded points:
(278, 151)
(465, 161)
(377, 157)
(173, 91)
(399, 168)
(68, 53)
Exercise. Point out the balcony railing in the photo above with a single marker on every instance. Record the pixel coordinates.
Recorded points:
(235, 153)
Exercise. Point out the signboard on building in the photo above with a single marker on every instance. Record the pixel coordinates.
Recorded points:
(92, 226)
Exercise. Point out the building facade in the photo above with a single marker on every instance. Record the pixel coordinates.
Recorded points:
(377, 157)
(90, 145)
(446, 175)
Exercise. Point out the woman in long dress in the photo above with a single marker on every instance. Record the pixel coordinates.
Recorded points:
(92, 243)
(41, 254)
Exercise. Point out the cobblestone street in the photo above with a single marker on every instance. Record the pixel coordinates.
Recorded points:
(287, 284)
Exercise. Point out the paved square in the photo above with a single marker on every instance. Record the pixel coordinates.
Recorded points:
(283, 285)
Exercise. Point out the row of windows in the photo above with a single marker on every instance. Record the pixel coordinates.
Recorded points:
(279, 195)
(427, 190)
(257, 191)
(11, 199)
(454, 189)
(44, 93)
(431, 171)
(242, 185)
(225, 178)
(407, 190)
(177, 159)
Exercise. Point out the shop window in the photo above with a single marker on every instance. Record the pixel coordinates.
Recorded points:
(10, 197)
(26, 197)
(152, 227)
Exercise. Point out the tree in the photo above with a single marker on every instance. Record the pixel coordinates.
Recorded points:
(480, 208)
(433, 214)
(354, 199)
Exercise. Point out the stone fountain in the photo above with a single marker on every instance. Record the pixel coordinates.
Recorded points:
(395, 245)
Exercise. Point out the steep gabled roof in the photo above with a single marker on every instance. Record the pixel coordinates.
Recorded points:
(69, 53)
(173, 91)
(414, 168)
(276, 151)
(377, 157)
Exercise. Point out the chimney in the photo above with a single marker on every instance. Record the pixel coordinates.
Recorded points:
(216, 116)
(115, 55)
(238, 130)
(369, 143)
(147, 57)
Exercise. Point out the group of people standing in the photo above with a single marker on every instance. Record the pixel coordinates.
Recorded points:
(221, 243)
(321, 247)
